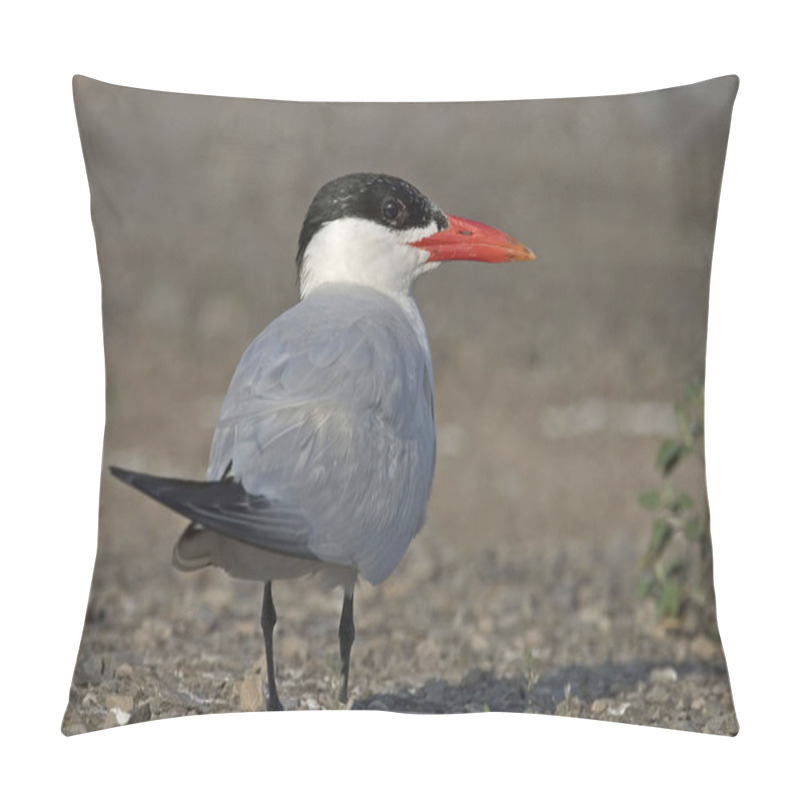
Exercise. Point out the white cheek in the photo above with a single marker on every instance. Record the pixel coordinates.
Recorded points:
(363, 252)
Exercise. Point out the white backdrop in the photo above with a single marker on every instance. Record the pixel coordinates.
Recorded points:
(54, 394)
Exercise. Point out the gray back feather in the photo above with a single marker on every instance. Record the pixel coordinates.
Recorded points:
(331, 410)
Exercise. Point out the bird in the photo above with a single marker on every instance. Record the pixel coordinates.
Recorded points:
(323, 455)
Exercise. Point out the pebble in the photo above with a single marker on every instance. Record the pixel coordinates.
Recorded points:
(75, 729)
(599, 705)
(152, 631)
(141, 713)
(116, 717)
(663, 675)
(251, 692)
(722, 725)
(658, 694)
(124, 671)
(703, 648)
(90, 669)
(123, 702)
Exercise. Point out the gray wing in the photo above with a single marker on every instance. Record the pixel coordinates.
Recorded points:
(224, 506)
(330, 411)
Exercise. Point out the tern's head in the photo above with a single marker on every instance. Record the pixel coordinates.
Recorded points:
(379, 231)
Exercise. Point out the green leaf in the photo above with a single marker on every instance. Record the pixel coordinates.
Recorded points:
(650, 500)
(662, 532)
(669, 604)
(645, 586)
(677, 568)
(681, 503)
(669, 454)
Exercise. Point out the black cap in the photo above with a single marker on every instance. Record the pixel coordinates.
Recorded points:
(389, 201)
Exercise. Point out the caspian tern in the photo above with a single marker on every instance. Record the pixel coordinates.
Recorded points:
(323, 455)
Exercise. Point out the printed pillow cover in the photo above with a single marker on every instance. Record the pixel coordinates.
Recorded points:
(563, 557)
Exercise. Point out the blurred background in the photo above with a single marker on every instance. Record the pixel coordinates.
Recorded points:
(555, 380)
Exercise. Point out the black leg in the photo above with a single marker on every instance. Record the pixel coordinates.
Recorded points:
(347, 633)
(268, 620)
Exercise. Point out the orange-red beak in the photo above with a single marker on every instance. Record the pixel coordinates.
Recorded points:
(466, 240)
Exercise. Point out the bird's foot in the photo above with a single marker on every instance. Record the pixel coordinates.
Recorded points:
(274, 704)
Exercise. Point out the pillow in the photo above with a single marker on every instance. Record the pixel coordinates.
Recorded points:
(564, 566)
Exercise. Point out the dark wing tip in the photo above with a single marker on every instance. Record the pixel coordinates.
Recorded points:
(228, 509)
(126, 476)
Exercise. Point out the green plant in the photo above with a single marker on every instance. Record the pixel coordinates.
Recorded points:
(677, 568)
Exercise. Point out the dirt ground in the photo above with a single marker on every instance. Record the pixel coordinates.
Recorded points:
(550, 629)
(554, 386)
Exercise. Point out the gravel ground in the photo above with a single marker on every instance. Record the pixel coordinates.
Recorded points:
(556, 632)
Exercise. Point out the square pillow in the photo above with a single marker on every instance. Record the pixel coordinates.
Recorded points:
(564, 566)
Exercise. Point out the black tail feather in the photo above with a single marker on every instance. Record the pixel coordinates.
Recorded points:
(227, 508)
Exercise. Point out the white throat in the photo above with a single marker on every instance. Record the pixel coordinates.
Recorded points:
(352, 250)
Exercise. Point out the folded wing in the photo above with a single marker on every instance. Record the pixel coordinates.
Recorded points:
(225, 507)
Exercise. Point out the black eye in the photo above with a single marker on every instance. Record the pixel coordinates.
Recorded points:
(392, 209)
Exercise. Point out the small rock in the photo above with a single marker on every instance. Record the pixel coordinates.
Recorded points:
(698, 703)
(703, 648)
(141, 713)
(124, 702)
(90, 669)
(124, 671)
(658, 694)
(663, 675)
(251, 692)
(722, 725)
(599, 706)
(74, 729)
(123, 717)
(116, 717)
(152, 631)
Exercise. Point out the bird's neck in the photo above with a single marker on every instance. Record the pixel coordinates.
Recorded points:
(356, 251)
(405, 301)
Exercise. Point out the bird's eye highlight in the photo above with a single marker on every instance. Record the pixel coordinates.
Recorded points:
(392, 209)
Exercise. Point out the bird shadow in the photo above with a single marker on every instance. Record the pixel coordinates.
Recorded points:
(482, 691)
